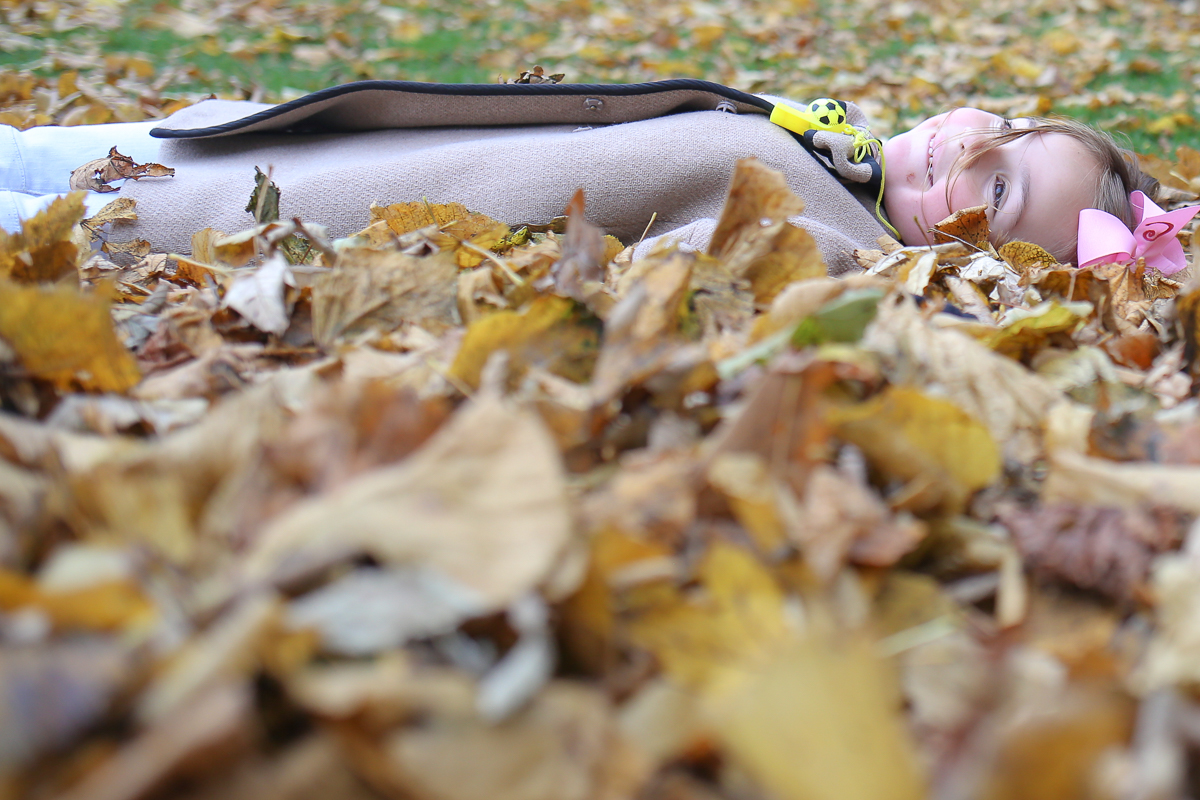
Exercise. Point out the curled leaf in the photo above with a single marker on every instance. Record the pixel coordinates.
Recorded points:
(96, 175)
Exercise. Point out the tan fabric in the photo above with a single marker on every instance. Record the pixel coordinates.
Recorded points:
(677, 167)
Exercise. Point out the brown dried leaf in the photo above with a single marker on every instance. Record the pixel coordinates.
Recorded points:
(1137, 350)
(968, 226)
(564, 746)
(769, 256)
(1188, 308)
(483, 502)
(1050, 747)
(842, 520)
(1108, 550)
(1130, 437)
(156, 496)
(347, 428)
(642, 332)
(119, 210)
(136, 248)
(653, 497)
(215, 728)
(380, 290)
(95, 176)
(1181, 174)
(579, 272)
(537, 75)
(260, 296)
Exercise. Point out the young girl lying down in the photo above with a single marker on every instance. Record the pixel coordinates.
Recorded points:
(653, 159)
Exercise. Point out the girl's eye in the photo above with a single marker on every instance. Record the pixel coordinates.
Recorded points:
(1006, 124)
(998, 190)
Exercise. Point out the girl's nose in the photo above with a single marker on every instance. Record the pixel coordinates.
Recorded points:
(968, 126)
(972, 118)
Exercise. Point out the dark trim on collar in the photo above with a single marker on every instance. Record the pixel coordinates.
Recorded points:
(692, 95)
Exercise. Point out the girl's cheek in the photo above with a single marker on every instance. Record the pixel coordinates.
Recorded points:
(934, 208)
(963, 194)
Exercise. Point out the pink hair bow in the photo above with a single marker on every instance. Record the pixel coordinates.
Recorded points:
(1104, 239)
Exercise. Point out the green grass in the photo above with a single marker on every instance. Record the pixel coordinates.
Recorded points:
(268, 52)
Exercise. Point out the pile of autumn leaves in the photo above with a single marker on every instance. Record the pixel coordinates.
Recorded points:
(446, 510)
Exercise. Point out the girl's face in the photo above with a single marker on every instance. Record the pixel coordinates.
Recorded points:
(1035, 186)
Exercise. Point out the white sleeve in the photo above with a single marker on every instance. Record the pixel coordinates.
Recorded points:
(40, 160)
(36, 163)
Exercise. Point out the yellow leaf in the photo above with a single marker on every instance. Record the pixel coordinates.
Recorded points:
(1171, 123)
(736, 619)
(1028, 334)
(1017, 65)
(589, 616)
(907, 600)
(506, 330)
(67, 83)
(66, 338)
(820, 721)
(1025, 256)
(1061, 41)
(201, 266)
(707, 33)
(42, 250)
(753, 495)
(911, 436)
(479, 231)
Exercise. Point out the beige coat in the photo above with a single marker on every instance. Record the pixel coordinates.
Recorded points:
(333, 156)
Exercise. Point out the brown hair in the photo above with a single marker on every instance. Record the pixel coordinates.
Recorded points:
(1119, 173)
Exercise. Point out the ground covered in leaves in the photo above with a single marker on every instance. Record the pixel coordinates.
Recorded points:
(1129, 67)
(448, 511)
